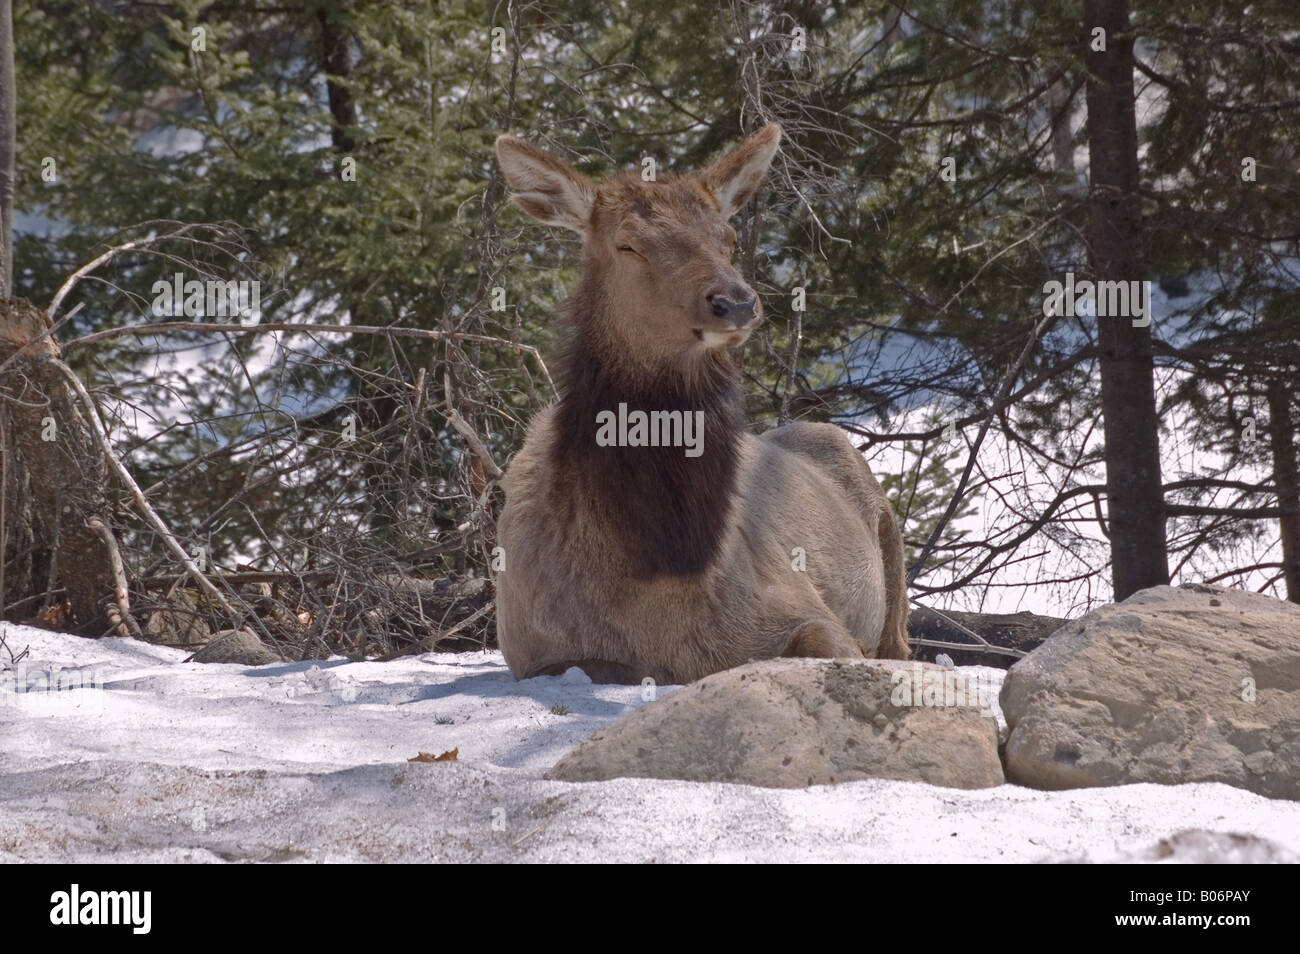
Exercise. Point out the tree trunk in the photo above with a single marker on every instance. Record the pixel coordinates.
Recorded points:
(336, 58)
(373, 410)
(54, 479)
(1287, 481)
(8, 148)
(1135, 502)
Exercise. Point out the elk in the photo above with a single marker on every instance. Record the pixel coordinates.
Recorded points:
(631, 557)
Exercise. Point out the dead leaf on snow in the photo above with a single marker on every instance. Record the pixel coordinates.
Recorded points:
(445, 757)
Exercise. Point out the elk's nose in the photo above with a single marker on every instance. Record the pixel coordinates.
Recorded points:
(738, 313)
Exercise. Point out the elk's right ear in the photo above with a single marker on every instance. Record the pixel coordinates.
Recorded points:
(547, 188)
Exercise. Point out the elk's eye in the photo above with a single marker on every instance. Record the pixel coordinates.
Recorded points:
(626, 248)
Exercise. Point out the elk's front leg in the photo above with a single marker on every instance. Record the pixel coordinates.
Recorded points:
(823, 639)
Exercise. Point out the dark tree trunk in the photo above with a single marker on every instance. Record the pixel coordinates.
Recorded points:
(55, 479)
(337, 59)
(54, 476)
(1287, 480)
(8, 147)
(373, 411)
(1135, 501)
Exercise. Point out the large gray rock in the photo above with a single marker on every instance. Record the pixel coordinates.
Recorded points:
(1189, 684)
(240, 646)
(788, 723)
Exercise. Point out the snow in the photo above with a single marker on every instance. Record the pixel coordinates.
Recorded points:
(159, 760)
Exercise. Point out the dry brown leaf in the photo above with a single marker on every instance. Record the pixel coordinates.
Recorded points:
(56, 615)
(445, 757)
(53, 617)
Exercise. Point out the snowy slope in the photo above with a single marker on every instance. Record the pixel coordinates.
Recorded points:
(173, 761)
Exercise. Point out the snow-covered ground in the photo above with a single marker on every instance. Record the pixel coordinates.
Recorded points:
(161, 760)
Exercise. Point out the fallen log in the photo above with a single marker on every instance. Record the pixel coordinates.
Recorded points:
(1009, 636)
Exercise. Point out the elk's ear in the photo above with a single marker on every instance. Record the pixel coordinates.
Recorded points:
(547, 188)
(735, 177)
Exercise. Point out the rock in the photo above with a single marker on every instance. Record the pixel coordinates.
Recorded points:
(1197, 846)
(789, 723)
(240, 646)
(1190, 684)
(178, 622)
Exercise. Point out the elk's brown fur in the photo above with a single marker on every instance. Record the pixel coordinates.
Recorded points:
(642, 561)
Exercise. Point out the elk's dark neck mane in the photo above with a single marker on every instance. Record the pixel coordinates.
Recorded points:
(669, 510)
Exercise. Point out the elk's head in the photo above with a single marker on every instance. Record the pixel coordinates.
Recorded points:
(657, 254)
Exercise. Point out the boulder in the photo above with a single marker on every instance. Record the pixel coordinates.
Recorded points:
(240, 646)
(789, 723)
(1190, 684)
(177, 622)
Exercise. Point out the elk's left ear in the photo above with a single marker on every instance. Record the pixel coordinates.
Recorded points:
(735, 177)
